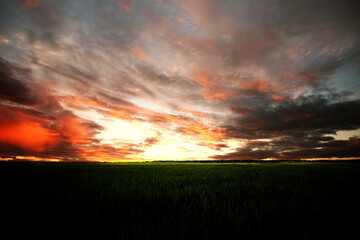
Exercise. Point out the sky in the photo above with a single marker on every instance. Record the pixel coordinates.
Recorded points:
(125, 80)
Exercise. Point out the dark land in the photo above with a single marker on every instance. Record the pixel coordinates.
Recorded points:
(162, 200)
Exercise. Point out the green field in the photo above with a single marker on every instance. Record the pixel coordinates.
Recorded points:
(181, 200)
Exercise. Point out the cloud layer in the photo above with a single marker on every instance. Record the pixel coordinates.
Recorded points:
(178, 79)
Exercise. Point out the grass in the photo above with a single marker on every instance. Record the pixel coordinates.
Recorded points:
(181, 200)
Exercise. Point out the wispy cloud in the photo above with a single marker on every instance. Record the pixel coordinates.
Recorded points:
(122, 79)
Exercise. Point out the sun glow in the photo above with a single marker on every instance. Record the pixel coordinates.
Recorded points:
(117, 130)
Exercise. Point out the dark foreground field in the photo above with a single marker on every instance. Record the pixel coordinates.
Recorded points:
(180, 200)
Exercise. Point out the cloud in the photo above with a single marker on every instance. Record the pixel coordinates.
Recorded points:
(295, 129)
(246, 154)
(37, 123)
(33, 132)
(126, 4)
(275, 78)
(215, 146)
(140, 54)
(32, 3)
(23, 132)
(290, 148)
(212, 88)
(151, 141)
(311, 113)
(13, 89)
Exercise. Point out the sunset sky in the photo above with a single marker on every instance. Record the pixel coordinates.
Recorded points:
(116, 80)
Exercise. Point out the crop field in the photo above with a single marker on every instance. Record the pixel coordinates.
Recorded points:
(286, 200)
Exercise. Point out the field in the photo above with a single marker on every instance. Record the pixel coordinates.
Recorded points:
(295, 200)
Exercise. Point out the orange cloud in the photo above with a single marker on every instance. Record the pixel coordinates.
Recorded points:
(32, 3)
(29, 136)
(180, 19)
(26, 133)
(36, 131)
(105, 152)
(126, 4)
(202, 132)
(188, 127)
(277, 97)
(212, 88)
(139, 53)
(75, 129)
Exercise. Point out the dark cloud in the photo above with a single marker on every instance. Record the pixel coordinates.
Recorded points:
(246, 154)
(333, 15)
(151, 141)
(40, 20)
(331, 149)
(68, 72)
(296, 129)
(304, 114)
(295, 148)
(215, 146)
(13, 89)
